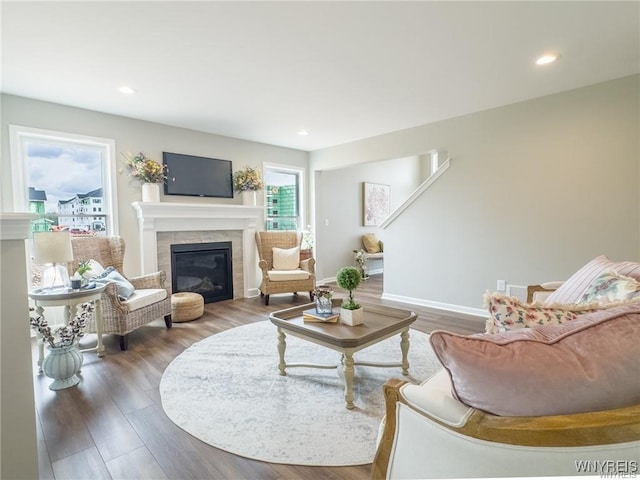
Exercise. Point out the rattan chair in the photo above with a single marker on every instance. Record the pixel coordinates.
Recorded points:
(122, 317)
(274, 281)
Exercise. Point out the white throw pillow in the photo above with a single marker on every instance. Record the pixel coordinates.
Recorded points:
(286, 258)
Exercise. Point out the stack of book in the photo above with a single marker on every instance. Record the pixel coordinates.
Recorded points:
(313, 316)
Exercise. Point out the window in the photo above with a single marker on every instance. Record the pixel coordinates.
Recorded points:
(284, 197)
(67, 179)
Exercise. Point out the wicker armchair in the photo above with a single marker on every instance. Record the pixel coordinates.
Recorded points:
(122, 317)
(302, 279)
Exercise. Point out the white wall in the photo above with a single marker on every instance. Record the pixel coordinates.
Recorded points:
(18, 451)
(338, 198)
(535, 190)
(133, 135)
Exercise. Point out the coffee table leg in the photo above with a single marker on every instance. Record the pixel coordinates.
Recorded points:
(348, 379)
(282, 346)
(404, 346)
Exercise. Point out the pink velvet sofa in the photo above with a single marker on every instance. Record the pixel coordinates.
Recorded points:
(560, 399)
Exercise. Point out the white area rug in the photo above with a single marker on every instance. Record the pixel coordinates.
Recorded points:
(226, 391)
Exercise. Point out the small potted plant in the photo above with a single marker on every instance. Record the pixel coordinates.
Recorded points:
(350, 312)
(83, 267)
(78, 278)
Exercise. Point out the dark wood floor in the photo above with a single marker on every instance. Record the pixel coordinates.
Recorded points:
(112, 424)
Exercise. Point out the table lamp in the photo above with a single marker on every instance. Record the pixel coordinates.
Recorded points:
(53, 249)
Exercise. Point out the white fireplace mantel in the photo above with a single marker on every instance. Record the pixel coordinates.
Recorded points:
(156, 217)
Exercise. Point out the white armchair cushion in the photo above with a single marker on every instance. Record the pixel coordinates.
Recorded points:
(434, 398)
(284, 275)
(286, 258)
(143, 297)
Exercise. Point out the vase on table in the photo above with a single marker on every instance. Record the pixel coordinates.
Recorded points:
(151, 192)
(62, 364)
(249, 197)
(323, 295)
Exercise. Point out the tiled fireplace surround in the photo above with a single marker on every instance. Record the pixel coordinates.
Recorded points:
(163, 224)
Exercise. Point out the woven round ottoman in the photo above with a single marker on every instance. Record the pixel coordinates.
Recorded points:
(186, 306)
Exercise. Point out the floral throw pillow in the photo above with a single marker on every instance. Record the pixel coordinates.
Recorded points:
(610, 287)
(510, 313)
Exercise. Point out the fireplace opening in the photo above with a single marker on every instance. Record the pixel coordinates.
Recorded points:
(204, 268)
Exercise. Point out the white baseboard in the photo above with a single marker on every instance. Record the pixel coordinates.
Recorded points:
(438, 305)
(253, 292)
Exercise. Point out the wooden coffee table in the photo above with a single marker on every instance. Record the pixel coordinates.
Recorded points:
(379, 324)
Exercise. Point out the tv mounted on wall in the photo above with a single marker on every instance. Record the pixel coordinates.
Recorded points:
(197, 176)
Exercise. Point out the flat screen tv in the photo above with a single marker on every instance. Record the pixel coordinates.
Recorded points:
(197, 176)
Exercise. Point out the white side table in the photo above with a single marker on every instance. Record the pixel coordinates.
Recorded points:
(68, 299)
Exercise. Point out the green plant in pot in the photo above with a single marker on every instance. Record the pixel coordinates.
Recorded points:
(78, 278)
(83, 267)
(351, 312)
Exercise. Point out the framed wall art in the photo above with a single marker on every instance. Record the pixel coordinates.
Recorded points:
(375, 203)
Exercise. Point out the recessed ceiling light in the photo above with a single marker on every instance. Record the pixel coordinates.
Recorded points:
(126, 90)
(547, 59)
(303, 133)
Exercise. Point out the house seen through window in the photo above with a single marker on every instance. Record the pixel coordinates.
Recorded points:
(66, 180)
(66, 188)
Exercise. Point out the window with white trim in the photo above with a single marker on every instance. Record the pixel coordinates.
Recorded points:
(284, 197)
(68, 180)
